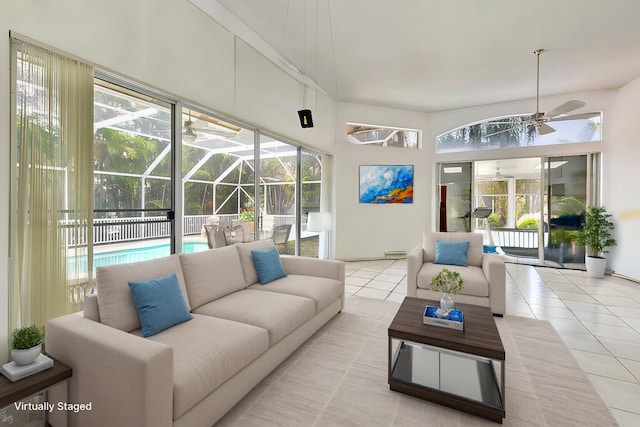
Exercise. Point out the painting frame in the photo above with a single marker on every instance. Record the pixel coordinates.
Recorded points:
(385, 184)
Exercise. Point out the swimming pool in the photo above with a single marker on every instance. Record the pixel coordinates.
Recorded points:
(134, 254)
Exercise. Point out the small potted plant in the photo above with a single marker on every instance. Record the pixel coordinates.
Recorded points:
(596, 237)
(26, 344)
(448, 282)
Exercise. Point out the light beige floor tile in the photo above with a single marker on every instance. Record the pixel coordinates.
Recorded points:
(398, 271)
(605, 319)
(614, 332)
(382, 285)
(396, 297)
(385, 277)
(564, 286)
(544, 312)
(623, 349)
(611, 301)
(583, 306)
(364, 274)
(634, 323)
(626, 419)
(603, 365)
(632, 366)
(585, 342)
(400, 288)
(617, 394)
(632, 313)
(372, 293)
(350, 289)
(356, 281)
(568, 325)
(575, 296)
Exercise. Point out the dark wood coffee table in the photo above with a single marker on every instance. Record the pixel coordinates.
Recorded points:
(446, 366)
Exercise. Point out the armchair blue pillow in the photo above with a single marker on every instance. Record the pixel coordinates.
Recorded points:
(451, 253)
(159, 303)
(268, 265)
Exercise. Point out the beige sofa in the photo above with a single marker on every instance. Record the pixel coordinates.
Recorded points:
(484, 276)
(192, 373)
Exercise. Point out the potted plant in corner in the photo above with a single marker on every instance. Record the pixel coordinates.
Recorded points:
(448, 282)
(26, 344)
(596, 237)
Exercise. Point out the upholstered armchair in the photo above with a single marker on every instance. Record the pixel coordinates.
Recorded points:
(484, 274)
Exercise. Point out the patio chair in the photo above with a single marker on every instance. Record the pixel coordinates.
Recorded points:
(215, 235)
(281, 234)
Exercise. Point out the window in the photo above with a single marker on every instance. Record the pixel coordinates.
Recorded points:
(381, 136)
(518, 131)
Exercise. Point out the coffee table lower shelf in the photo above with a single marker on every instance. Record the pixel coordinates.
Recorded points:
(457, 380)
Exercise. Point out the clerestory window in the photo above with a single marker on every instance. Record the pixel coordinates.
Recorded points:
(521, 131)
(382, 136)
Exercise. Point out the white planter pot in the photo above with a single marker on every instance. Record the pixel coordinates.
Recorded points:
(26, 356)
(596, 266)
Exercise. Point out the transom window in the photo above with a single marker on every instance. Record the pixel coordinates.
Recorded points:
(382, 136)
(520, 131)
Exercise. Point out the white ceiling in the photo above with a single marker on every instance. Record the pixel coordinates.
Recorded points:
(435, 55)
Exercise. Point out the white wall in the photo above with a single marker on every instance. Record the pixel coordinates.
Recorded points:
(622, 178)
(166, 44)
(368, 230)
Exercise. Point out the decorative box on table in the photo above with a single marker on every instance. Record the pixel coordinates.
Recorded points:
(455, 320)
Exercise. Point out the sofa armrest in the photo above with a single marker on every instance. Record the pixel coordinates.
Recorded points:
(494, 270)
(307, 266)
(415, 261)
(127, 379)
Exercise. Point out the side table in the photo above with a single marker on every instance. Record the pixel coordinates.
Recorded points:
(11, 392)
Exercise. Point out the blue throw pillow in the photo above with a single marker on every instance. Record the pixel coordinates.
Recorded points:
(268, 265)
(451, 253)
(159, 303)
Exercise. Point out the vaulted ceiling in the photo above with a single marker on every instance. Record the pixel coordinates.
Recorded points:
(435, 55)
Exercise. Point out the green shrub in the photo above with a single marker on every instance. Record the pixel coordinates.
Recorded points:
(530, 223)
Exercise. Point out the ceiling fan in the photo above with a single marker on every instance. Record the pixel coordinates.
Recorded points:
(194, 129)
(540, 120)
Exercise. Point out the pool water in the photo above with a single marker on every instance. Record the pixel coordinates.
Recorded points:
(145, 253)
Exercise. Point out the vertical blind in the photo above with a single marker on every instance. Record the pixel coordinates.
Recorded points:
(54, 183)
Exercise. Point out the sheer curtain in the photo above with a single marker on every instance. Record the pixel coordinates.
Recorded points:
(53, 183)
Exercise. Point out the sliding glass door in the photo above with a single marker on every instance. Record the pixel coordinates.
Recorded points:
(133, 176)
(454, 197)
(566, 197)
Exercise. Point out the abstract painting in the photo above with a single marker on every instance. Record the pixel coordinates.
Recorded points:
(381, 184)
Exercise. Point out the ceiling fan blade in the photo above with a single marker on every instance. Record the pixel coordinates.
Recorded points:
(544, 129)
(565, 108)
(499, 132)
(581, 116)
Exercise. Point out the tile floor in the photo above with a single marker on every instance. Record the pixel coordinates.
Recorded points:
(599, 319)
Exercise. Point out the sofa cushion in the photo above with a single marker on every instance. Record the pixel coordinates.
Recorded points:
(159, 303)
(451, 253)
(474, 281)
(278, 313)
(474, 253)
(114, 297)
(244, 250)
(211, 274)
(207, 351)
(268, 265)
(323, 291)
